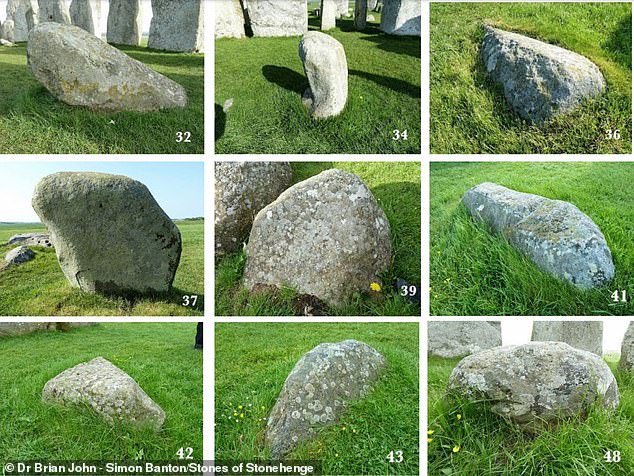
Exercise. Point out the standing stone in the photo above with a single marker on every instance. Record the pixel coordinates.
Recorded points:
(556, 235)
(177, 25)
(627, 349)
(451, 339)
(540, 81)
(360, 14)
(342, 8)
(229, 19)
(24, 18)
(325, 236)
(328, 14)
(8, 31)
(326, 68)
(242, 189)
(86, 14)
(372, 4)
(110, 235)
(81, 70)
(318, 390)
(19, 255)
(278, 17)
(584, 335)
(55, 11)
(124, 22)
(108, 390)
(401, 17)
(4, 42)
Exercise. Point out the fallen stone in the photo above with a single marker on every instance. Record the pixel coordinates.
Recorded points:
(325, 236)
(110, 235)
(583, 335)
(627, 349)
(177, 25)
(12, 329)
(242, 189)
(401, 17)
(536, 385)
(108, 390)
(318, 390)
(328, 15)
(556, 235)
(278, 17)
(19, 255)
(54, 11)
(124, 22)
(540, 81)
(360, 14)
(449, 339)
(81, 70)
(86, 14)
(32, 239)
(326, 68)
(229, 19)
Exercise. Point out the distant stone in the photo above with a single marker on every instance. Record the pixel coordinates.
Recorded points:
(108, 390)
(19, 255)
(360, 14)
(536, 385)
(54, 11)
(227, 105)
(11, 329)
(6, 43)
(32, 239)
(372, 4)
(229, 19)
(342, 8)
(278, 17)
(540, 80)
(451, 339)
(627, 349)
(370, 18)
(318, 390)
(25, 16)
(325, 236)
(326, 68)
(556, 235)
(583, 335)
(86, 14)
(8, 33)
(81, 70)
(124, 22)
(177, 25)
(110, 235)
(328, 15)
(401, 17)
(242, 189)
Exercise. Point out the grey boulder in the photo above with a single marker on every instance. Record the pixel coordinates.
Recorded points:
(229, 19)
(278, 17)
(19, 255)
(449, 339)
(401, 17)
(583, 335)
(556, 235)
(32, 239)
(627, 349)
(177, 25)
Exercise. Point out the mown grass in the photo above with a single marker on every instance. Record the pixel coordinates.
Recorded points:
(32, 121)
(39, 287)
(475, 272)
(489, 445)
(268, 116)
(469, 114)
(160, 357)
(396, 186)
(252, 363)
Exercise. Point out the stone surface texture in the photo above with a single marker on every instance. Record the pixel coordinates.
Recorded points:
(19, 255)
(556, 235)
(110, 235)
(177, 25)
(54, 11)
(278, 17)
(583, 335)
(124, 22)
(401, 17)
(627, 349)
(451, 339)
(32, 239)
(328, 15)
(86, 14)
(229, 19)
(317, 391)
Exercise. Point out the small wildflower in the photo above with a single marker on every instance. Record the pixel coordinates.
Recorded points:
(430, 432)
(263, 407)
(354, 431)
(429, 440)
(336, 455)
(456, 449)
(459, 416)
(344, 428)
(375, 287)
(239, 407)
(235, 413)
(241, 415)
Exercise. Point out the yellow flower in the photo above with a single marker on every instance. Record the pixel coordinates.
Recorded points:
(429, 440)
(263, 407)
(456, 449)
(241, 415)
(459, 416)
(344, 428)
(430, 432)
(235, 413)
(354, 431)
(375, 287)
(239, 407)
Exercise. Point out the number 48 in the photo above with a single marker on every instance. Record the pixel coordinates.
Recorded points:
(612, 456)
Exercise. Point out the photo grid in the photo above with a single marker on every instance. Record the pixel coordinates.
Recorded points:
(421, 258)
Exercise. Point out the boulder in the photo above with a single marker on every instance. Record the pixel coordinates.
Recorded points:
(583, 335)
(32, 239)
(54, 11)
(627, 349)
(328, 14)
(451, 339)
(540, 81)
(242, 189)
(535, 385)
(6, 43)
(12, 329)
(19, 255)
(108, 390)
(326, 68)
(124, 22)
(318, 390)
(401, 17)
(177, 25)
(556, 235)
(110, 235)
(360, 14)
(8, 32)
(81, 70)
(86, 14)
(229, 19)
(325, 236)
(278, 17)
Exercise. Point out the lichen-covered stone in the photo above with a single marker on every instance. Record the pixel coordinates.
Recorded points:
(556, 235)
(278, 17)
(81, 70)
(317, 391)
(124, 22)
(451, 339)
(19, 255)
(242, 189)
(325, 236)
(627, 349)
(177, 25)
(110, 235)
(584, 335)
(401, 17)
(540, 80)
(229, 19)
(32, 239)
(108, 390)
(535, 385)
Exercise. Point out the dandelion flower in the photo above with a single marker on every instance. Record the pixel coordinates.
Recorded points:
(375, 287)
(456, 449)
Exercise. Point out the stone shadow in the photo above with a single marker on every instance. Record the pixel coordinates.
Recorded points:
(220, 121)
(286, 78)
(347, 25)
(402, 45)
(397, 85)
(619, 43)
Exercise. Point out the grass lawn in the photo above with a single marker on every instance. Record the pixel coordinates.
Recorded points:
(159, 357)
(252, 363)
(489, 445)
(469, 114)
(39, 287)
(474, 272)
(32, 121)
(265, 79)
(396, 186)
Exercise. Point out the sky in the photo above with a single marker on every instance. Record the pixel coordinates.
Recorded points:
(178, 187)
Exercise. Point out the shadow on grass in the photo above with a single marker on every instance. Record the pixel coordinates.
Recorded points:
(286, 78)
(347, 26)
(408, 45)
(619, 44)
(394, 84)
(220, 121)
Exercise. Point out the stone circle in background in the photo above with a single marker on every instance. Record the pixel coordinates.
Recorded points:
(540, 80)
(124, 22)
(177, 25)
(627, 349)
(318, 390)
(278, 17)
(556, 235)
(401, 17)
(229, 19)
(325, 236)
(451, 339)
(110, 235)
(32, 239)
(86, 14)
(583, 335)
(19, 255)
(54, 11)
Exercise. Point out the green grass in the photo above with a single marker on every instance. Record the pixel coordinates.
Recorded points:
(252, 363)
(469, 114)
(490, 446)
(474, 272)
(268, 116)
(39, 287)
(396, 186)
(159, 357)
(32, 121)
